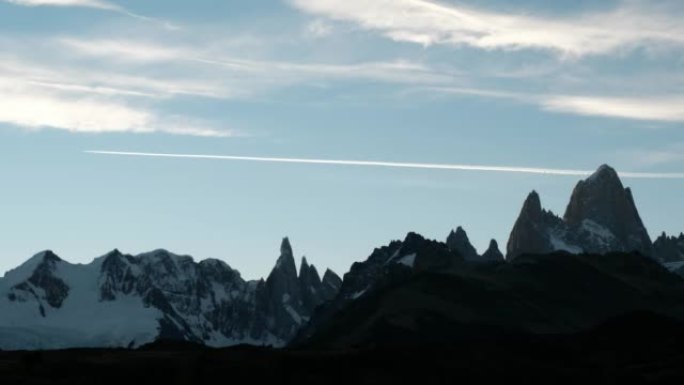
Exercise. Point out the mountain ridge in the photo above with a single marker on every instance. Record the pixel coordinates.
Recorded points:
(124, 300)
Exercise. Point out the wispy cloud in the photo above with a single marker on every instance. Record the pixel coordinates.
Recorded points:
(33, 107)
(80, 93)
(273, 71)
(104, 81)
(429, 22)
(657, 108)
(94, 4)
(98, 4)
(430, 166)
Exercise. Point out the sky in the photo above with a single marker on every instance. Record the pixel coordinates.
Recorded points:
(562, 85)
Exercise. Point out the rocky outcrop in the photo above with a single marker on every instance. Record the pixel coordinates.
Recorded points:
(330, 285)
(669, 249)
(493, 254)
(458, 242)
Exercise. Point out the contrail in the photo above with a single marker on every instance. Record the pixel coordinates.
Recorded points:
(431, 166)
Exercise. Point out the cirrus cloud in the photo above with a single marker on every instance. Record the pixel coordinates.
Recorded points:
(428, 23)
(33, 107)
(94, 4)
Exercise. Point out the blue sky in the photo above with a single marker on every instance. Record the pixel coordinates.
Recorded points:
(563, 84)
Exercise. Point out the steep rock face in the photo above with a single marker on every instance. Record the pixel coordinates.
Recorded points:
(284, 304)
(121, 300)
(601, 217)
(458, 241)
(493, 254)
(669, 249)
(538, 231)
(310, 285)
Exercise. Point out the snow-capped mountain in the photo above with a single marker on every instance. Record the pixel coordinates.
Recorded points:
(122, 300)
(600, 218)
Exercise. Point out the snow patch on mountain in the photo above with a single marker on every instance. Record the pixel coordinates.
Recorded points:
(408, 260)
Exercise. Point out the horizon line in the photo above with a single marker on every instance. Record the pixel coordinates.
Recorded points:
(387, 164)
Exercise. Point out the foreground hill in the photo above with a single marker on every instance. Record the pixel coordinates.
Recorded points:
(636, 348)
(419, 292)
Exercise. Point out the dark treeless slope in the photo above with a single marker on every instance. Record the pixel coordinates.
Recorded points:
(632, 349)
(535, 294)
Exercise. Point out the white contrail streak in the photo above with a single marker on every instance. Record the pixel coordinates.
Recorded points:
(431, 166)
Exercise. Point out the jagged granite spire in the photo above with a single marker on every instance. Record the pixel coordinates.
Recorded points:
(285, 265)
(530, 233)
(532, 207)
(310, 285)
(458, 242)
(603, 214)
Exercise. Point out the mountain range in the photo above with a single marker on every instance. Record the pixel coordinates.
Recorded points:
(122, 300)
(559, 275)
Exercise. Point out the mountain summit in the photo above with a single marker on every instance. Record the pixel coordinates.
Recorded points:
(601, 217)
(603, 214)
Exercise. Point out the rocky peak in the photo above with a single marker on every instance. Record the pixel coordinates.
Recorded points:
(331, 283)
(309, 273)
(603, 214)
(532, 207)
(310, 285)
(115, 252)
(605, 176)
(458, 242)
(49, 256)
(600, 197)
(283, 293)
(53, 290)
(303, 267)
(44, 257)
(533, 229)
(285, 247)
(493, 253)
(285, 265)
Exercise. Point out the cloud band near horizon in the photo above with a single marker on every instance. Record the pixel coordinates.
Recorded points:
(431, 166)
